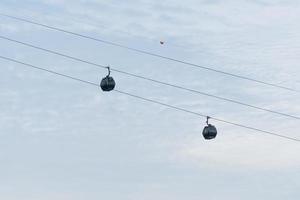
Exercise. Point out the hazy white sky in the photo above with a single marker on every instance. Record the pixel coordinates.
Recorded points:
(62, 140)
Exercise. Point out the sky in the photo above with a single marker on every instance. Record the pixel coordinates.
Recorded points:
(64, 140)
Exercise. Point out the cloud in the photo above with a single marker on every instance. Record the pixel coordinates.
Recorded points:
(75, 127)
(245, 153)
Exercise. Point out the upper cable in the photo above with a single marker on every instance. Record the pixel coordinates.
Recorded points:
(152, 54)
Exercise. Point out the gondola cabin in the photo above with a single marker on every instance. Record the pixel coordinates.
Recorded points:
(108, 83)
(209, 132)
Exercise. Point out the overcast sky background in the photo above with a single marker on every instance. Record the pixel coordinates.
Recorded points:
(63, 140)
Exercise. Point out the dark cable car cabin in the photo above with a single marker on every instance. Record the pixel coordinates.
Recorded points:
(108, 83)
(209, 131)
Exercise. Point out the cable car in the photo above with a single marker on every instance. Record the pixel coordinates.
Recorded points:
(209, 131)
(107, 83)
